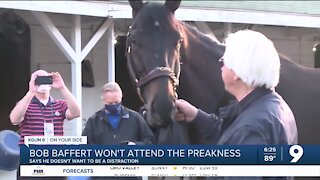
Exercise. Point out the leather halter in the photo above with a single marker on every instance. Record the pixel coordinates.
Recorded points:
(154, 73)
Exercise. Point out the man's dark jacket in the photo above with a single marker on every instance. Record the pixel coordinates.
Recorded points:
(261, 118)
(132, 127)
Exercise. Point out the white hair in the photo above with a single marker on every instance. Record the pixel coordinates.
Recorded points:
(253, 57)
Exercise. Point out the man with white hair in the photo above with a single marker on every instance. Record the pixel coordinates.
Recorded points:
(250, 72)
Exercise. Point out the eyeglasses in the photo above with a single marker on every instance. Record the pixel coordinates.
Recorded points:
(221, 61)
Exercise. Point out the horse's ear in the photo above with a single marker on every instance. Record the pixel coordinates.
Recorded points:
(136, 5)
(172, 5)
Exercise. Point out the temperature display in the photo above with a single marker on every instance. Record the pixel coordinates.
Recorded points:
(269, 154)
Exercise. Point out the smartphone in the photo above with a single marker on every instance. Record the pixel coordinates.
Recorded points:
(43, 80)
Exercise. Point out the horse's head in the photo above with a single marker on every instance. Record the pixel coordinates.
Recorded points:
(153, 54)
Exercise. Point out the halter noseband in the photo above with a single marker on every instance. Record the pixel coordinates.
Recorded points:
(156, 73)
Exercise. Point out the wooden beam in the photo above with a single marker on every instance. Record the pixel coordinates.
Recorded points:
(111, 54)
(55, 34)
(88, 8)
(76, 73)
(207, 14)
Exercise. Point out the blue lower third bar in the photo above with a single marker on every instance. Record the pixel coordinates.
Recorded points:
(169, 155)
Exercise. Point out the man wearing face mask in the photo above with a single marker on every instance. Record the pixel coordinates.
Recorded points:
(38, 114)
(116, 124)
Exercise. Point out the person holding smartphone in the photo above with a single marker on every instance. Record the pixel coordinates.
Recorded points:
(39, 114)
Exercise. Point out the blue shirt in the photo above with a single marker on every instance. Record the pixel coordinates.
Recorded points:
(113, 120)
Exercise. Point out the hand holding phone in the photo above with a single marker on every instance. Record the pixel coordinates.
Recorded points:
(43, 80)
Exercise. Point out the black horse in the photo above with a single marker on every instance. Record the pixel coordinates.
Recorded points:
(159, 46)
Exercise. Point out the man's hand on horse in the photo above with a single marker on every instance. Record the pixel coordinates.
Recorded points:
(186, 111)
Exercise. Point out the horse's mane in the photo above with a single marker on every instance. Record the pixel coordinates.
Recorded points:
(202, 36)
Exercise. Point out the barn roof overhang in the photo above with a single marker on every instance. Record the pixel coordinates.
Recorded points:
(187, 12)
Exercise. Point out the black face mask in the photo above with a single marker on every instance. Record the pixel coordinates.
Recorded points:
(113, 109)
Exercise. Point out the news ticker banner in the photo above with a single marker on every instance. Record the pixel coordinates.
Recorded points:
(169, 155)
(168, 160)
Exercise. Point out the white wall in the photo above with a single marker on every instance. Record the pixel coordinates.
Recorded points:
(297, 46)
(296, 43)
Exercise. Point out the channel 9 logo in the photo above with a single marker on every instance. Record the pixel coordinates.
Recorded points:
(296, 151)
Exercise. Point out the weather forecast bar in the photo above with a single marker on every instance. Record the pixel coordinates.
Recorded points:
(187, 171)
